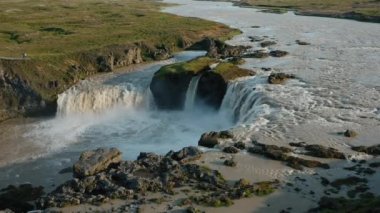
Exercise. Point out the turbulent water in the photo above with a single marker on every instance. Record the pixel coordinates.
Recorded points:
(337, 87)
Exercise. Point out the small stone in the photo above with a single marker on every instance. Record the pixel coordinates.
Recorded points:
(350, 133)
(231, 150)
(230, 163)
(239, 145)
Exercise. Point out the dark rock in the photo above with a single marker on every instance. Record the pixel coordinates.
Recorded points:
(349, 181)
(217, 48)
(211, 139)
(256, 54)
(169, 92)
(279, 78)
(371, 150)
(255, 26)
(323, 152)
(299, 144)
(236, 60)
(186, 154)
(278, 53)
(282, 154)
(239, 145)
(374, 165)
(267, 43)
(230, 163)
(255, 38)
(231, 150)
(350, 133)
(95, 161)
(18, 198)
(211, 89)
(324, 181)
(66, 170)
(302, 42)
(266, 69)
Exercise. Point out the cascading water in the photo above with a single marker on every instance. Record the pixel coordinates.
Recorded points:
(243, 101)
(191, 93)
(88, 97)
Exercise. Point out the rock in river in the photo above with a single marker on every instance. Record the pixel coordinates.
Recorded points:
(95, 161)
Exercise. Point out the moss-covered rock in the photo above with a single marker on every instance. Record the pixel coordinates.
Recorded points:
(170, 84)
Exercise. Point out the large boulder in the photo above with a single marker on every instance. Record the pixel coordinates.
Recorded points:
(95, 161)
(211, 139)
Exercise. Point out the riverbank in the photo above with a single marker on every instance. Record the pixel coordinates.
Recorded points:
(66, 42)
(364, 10)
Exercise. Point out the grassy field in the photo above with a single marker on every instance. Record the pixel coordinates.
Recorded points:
(324, 7)
(61, 33)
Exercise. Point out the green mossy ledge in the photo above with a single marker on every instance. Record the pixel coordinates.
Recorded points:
(170, 84)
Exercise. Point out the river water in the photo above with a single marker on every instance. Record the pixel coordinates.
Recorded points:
(337, 87)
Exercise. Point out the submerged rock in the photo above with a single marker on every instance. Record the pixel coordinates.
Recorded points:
(371, 150)
(211, 139)
(257, 54)
(95, 161)
(267, 43)
(279, 78)
(18, 198)
(231, 150)
(278, 53)
(283, 154)
(230, 163)
(323, 152)
(299, 42)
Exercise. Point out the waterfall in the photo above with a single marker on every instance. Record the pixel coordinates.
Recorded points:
(191, 93)
(88, 97)
(243, 101)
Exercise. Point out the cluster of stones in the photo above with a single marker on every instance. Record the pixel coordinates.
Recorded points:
(101, 175)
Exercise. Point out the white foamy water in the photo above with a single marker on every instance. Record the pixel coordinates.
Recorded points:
(338, 85)
(191, 93)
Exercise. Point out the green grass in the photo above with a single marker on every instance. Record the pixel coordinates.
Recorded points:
(61, 33)
(364, 7)
(193, 66)
(230, 71)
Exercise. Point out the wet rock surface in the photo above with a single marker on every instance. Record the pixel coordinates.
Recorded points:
(284, 154)
(211, 139)
(279, 78)
(154, 173)
(371, 150)
(278, 53)
(350, 133)
(95, 161)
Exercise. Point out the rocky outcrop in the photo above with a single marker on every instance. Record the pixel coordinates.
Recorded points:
(284, 154)
(278, 53)
(95, 161)
(319, 151)
(153, 173)
(16, 94)
(170, 84)
(186, 154)
(211, 139)
(279, 78)
(218, 49)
